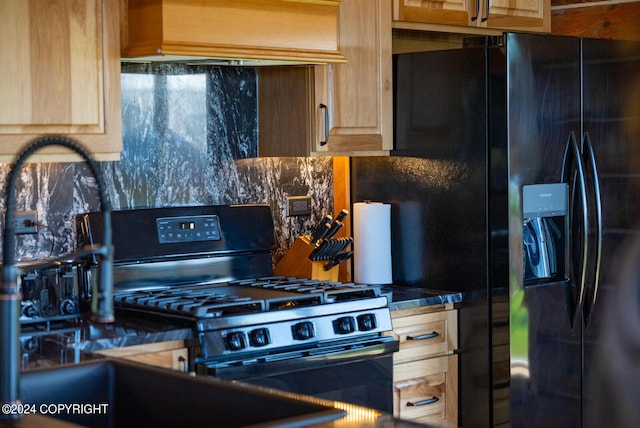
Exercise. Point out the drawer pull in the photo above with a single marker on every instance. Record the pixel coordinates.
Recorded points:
(424, 336)
(182, 360)
(423, 402)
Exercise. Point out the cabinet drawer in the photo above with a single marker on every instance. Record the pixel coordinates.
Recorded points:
(425, 335)
(174, 359)
(171, 355)
(425, 391)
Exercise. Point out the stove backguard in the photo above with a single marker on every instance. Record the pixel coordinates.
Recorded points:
(176, 245)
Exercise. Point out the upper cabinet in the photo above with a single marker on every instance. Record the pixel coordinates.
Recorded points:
(263, 30)
(335, 109)
(354, 101)
(473, 16)
(60, 67)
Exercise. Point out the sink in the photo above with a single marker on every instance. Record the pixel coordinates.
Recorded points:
(144, 396)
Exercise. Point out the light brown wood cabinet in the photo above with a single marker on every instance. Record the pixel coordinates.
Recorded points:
(334, 109)
(172, 355)
(476, 16)
(354, 101)
(273, 30)
(618, 20)
(425, 369)
(60, 67)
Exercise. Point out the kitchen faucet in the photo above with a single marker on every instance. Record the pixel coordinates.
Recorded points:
(10, 296)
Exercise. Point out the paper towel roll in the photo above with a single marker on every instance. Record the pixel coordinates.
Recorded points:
(372, 243)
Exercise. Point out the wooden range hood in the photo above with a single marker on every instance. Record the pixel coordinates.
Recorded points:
(239, 32)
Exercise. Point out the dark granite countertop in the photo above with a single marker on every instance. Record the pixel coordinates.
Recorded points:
(72, 342)
(75, 341)
(404, 297)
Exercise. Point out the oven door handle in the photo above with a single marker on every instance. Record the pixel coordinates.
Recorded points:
(353, 351)
(300, 361)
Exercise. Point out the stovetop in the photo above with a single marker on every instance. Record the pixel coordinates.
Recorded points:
(264, 315)
(214, 300)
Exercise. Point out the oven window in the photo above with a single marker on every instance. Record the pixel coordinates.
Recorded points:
(366, 382)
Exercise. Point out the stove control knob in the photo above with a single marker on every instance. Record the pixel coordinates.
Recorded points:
(259, 337)
(303, 330)
(344, 325)
(29, 310)
(29, 345)
(236, 341)
(366, 322)
(68, 307)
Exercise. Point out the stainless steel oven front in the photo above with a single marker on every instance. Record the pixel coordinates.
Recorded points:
(358, 372)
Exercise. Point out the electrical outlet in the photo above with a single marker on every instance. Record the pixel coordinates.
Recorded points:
(26, 222)
(298, 205)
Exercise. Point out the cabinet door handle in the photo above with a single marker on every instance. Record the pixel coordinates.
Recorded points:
(326, 124)
(424, 336)
(486, 11)
(432, 400)
(475, 16)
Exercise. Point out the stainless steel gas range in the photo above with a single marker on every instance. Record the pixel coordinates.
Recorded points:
(210, 267)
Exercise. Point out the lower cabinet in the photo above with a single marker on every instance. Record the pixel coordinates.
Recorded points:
(172, 355)
(425, 371)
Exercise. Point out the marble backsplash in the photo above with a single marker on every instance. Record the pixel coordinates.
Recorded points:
(190, 137)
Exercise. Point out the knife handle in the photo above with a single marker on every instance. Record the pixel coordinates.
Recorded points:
(321, 231)
(335, 226)
(337, 223)
(342, 215)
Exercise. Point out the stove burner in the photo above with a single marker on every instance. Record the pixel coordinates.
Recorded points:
(197, 301)
(331, 291)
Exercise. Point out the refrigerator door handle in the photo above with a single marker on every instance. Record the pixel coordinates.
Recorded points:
(572, 165)
(591, 162)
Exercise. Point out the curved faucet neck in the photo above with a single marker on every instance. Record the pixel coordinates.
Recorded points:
(8, 256)
(10, 297)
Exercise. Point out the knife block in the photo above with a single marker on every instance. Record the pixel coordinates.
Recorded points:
(296, 263)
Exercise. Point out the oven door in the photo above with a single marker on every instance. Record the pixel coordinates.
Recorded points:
(359, 372)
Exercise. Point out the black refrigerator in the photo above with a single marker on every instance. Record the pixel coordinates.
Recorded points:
(510, 181)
